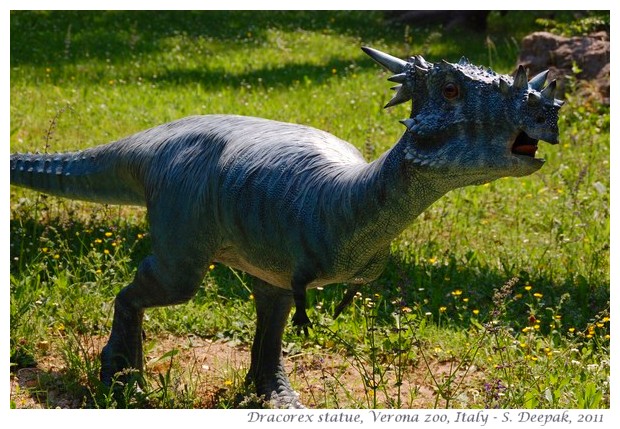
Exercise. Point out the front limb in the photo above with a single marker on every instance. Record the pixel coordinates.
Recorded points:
(267, 372)
(298, 285)
(300, 318)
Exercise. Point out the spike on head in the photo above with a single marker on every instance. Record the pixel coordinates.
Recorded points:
(533, 98)
(398, 78)
(409, 123)
(520, 81)
(404, 73)
(549, 91)
(419, 60)
(538, 81)
(393, 64)
(504, 86)
(420, 70)
(401, 96)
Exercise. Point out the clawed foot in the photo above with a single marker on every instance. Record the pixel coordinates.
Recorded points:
(285, 400)
(277, 392)
(114, 366)
(301, 322)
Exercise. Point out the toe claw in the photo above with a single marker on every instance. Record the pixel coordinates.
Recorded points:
(301, 322)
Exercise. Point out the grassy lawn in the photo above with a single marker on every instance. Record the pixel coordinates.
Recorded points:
(497, 296)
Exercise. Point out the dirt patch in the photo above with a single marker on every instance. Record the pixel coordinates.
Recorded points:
(207, 371)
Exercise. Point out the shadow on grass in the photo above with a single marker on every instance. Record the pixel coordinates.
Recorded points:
(281, 76)
(54, 38)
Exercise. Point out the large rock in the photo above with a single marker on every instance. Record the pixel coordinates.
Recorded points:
(542, 50)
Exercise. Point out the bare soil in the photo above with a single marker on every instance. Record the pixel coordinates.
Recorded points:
(212, 370)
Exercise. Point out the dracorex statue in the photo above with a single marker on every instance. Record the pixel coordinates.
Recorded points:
(293, 206)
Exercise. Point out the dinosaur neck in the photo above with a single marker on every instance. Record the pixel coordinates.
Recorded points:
(390, 193)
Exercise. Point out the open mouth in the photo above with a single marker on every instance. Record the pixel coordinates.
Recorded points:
(524, 145)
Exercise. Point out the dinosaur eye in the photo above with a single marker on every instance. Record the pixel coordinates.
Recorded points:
(450, 91)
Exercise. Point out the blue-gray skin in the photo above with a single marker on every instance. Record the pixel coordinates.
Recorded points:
(293, 206)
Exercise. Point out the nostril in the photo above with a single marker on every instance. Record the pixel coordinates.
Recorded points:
(540, 120)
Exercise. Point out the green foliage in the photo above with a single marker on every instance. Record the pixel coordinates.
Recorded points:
(83, 78)
(585, 23)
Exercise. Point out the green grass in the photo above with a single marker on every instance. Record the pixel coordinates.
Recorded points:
(83, 78)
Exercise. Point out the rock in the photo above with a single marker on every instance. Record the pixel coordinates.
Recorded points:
(590, 54)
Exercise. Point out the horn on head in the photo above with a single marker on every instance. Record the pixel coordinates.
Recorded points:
(393, 64)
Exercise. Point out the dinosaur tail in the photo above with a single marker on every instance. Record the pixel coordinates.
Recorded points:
(89, 175)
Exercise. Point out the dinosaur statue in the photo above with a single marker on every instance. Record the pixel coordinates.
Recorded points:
(293, 206)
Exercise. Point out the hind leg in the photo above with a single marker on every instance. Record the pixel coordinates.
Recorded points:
(171, 275)
(267, 372)
(153, 286)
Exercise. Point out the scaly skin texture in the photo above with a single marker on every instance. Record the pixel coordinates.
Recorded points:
(293, 206)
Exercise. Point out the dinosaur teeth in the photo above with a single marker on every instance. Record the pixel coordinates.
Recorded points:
(393, 64)
(538, 81)
(520, 81)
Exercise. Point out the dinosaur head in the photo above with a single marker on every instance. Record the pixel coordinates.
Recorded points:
(470, 123)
